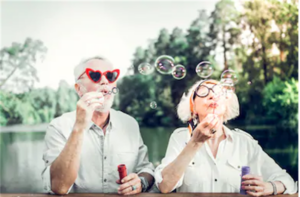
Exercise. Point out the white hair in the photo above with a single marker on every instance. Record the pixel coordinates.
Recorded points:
(79, 69)
(184, 113)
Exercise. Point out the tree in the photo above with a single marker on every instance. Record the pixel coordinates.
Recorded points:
(281, 101)
(224, 28)
(66, 98)
(258, 18)
(267, 22)
(43, 100)
(199, 43)
(228, 29)
(37, 105)
(16, 109)
(17, 65)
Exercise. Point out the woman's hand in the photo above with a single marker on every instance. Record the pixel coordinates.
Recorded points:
(204, 130)
(255, 186)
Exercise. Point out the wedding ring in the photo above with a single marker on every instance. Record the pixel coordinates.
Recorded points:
(213, 131)
(133, 187)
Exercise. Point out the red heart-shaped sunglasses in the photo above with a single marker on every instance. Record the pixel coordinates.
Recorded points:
(95, 76)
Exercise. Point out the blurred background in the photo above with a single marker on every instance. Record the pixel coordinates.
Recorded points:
(42, 41)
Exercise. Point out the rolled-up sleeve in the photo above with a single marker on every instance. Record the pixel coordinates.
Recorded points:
(143, 164)
(54, 144)
(173, 150)
(263, 164)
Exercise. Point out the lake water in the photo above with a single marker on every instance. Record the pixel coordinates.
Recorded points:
(21, 153)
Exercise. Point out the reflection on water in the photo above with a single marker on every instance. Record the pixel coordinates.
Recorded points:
(21, 154)
(21, 162)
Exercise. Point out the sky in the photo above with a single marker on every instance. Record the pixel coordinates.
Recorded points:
(74, 30)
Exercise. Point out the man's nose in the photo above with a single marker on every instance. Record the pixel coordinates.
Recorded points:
(104, 80)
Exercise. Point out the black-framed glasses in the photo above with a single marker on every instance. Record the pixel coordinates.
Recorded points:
(203, 90)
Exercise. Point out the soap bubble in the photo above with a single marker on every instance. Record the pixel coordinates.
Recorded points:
(115, 90)
(153, 105)
(164, 64)
(178, 72)
(229, 90)
(229, 77)
(204, 69)
(218, 90)
(145, 68)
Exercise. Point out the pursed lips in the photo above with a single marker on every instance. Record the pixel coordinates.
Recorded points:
(213, 105)
(104, 91)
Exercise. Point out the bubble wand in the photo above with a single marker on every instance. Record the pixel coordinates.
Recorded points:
(114, 90)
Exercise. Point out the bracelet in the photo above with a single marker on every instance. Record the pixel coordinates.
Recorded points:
(144, 184)
(274, 187)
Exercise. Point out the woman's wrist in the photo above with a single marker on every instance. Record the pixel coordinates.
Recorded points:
(194, 144)
(268, 189)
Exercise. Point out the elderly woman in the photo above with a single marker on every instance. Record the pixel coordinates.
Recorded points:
(208, 156)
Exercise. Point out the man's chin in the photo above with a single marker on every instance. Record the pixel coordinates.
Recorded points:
(102, 110)
(106, 107)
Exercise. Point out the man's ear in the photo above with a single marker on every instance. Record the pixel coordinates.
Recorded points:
(78, 89)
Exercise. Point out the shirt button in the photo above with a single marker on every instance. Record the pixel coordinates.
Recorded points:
(47, 161)
(216, 180)
(105, 157)
(104, 180)
(193, 163)
(239, 166)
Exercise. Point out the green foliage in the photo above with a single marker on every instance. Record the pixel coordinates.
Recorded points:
(281, 101)
(17, 65)
(226, 29)
(36, 106)
(8, 103)
(15, 110)
(261, 18)
(136, 100)
(66, 98)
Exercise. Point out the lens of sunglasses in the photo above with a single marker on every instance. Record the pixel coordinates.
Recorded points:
(111, 76)
(95, 76)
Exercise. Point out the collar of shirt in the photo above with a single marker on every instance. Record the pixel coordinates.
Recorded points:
(228, 133)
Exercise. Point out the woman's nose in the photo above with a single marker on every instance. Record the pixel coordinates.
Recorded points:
(212, 95)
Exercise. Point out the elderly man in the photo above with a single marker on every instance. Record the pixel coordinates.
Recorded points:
(83, 148)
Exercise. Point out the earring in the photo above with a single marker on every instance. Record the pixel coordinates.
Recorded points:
(195, 119)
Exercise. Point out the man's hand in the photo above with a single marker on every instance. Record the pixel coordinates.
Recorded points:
(86, 107)
(128, 182)
(255, 186)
